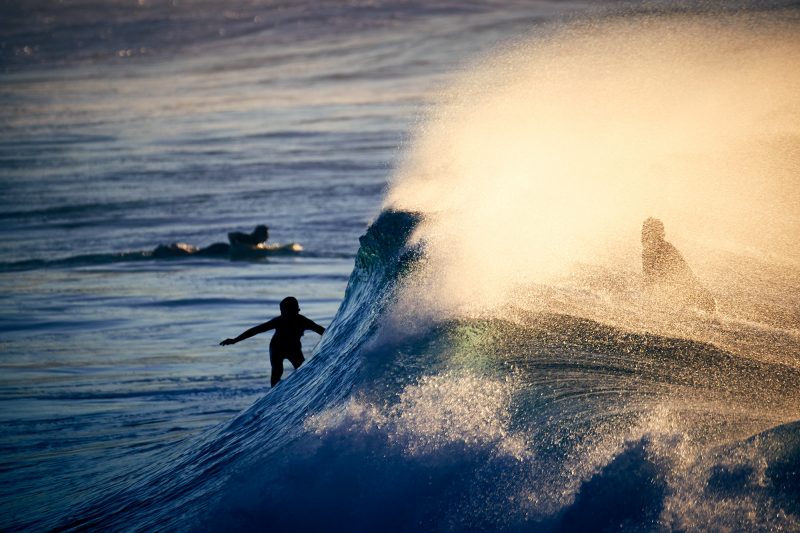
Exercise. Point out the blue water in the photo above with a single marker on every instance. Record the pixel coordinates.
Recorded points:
(128, 125)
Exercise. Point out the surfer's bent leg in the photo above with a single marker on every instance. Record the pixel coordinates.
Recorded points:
(296, 359)
(276, 361)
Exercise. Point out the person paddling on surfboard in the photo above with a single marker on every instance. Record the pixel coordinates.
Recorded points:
(285, 343)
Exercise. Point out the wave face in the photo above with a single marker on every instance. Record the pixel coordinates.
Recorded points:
(538, 421)
(466, 385)
(189, 482)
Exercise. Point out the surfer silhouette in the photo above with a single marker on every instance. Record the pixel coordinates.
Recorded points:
(253, 244)
(665, 268)
(285, 343)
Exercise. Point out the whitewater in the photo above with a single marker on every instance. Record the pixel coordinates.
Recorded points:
(493, 359)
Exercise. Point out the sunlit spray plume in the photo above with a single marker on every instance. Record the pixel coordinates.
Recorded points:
(543, 160)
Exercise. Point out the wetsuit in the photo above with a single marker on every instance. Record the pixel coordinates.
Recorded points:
(285, 343)
(662, 264)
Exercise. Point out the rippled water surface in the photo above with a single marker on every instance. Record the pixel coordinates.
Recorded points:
(126, 125)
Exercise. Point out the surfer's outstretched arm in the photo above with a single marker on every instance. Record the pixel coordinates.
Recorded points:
(313, 326)
(261, 328)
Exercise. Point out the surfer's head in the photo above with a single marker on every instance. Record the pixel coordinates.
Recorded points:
(652, 231)
(290, 306)
(260, 234)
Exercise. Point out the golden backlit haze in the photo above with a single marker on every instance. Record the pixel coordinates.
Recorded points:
(543, 159)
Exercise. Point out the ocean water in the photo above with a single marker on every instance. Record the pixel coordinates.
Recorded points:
(463, 384)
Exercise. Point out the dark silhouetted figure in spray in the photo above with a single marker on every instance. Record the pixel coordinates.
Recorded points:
(665, 268)
(285, 343)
